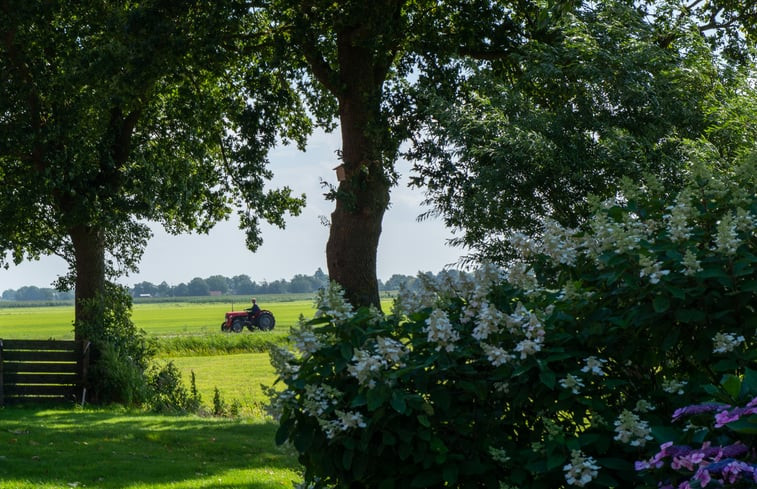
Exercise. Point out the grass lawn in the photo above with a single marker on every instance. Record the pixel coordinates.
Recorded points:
(61, 448)
(238, 377)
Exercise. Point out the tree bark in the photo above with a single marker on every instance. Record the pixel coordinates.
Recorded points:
(89, 256)
(362, 198)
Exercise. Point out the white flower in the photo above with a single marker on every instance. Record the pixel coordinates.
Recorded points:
(726, 239)
(305, 340)
(690, 263)
(527, 347)
(573, 383)
(643, 406)
(726, 342)
(499, 455)
(489, 318)
(673, 386)
(330, 301)
(559, 243)
(651, 269)
(497, 356)
(319, 399)
(678, 222)
(391, 351)
(521, 275)
(365, 366)
(581, 470)
(439, 330)
(594, 365)
(349, 420)
(631, 429)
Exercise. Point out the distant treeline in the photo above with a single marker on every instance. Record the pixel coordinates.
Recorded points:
(213, 285)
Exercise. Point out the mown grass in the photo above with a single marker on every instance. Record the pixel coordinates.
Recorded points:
(60, 448)
(238, 378)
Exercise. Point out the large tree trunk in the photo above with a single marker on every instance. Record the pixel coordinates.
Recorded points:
(363, 196)
(89, 253)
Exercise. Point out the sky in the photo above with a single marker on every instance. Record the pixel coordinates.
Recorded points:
(406, 246)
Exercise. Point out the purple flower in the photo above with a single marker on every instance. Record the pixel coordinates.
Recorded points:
(725, 417)
(707, 407)
(703, 476)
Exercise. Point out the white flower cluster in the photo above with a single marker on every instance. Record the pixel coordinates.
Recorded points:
(368, 363)
(726, 342)
(652, 269)
(496, 355)
(527, 324)
(345, 421)
(643, 406)
(573, 383)
(521, 275)
(678, 220)
(283, 362)
(609, 235)
(727, 240)
(673, 386)
(691, 263)
(319, 399)
(630, 429)
(559, 243)
(581, 470)
(330, 301)
(305, 339)
(489, 320)
(499, 455)
(439, 330)
(593, 365)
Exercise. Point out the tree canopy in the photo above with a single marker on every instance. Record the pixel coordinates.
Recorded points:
(112, 114)
(620, 93)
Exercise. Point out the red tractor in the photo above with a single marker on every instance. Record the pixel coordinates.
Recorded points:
(236, 321)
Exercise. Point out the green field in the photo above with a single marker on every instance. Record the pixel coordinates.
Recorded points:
(157, 319)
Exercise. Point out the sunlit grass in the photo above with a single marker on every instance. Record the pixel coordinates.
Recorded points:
(237, 377)
(113, 449)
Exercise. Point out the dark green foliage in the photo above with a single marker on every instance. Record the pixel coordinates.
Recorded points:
(220, 408)
(535, 135)
(168, 392)
(121, 351)
(568, 368)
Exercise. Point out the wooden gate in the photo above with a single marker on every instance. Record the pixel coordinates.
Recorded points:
(43, 371)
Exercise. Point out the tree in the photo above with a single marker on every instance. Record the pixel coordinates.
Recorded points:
(242, 284)
(218, 283)
(198, 287)
(354, 60)
(117, 113)
(147, 288)
(618, 95)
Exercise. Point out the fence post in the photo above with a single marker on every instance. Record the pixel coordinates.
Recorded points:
(84, 367)
(2, 379)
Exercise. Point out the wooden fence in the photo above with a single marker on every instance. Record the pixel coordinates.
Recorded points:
(43, 371)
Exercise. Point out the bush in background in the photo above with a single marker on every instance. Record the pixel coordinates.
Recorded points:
(562, 370)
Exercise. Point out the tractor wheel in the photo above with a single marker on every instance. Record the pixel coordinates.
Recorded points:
(266, 321)
(223, 327)
(237, 326)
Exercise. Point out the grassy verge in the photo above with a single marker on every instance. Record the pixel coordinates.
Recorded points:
(60, 448)
(237, 377)
(220, 344)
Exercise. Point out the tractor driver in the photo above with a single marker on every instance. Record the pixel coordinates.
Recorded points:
(255, 309)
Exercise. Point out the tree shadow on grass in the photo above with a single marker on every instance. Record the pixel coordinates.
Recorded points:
(112, 449)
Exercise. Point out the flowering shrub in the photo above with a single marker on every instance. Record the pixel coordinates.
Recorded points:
(560, 370)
